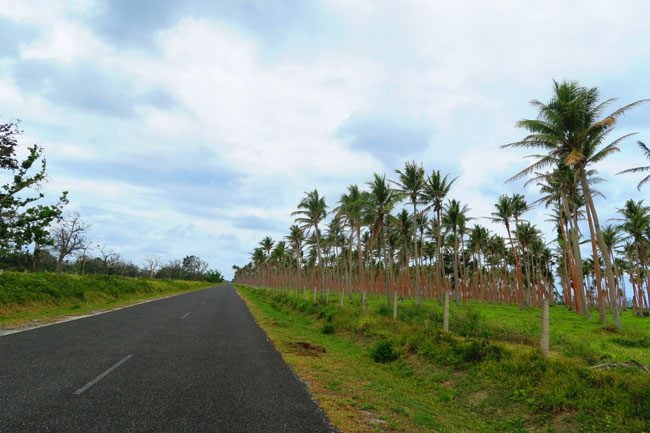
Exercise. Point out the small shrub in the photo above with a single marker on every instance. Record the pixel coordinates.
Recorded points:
(384, 352)
(327, 313)
(328, 329)
(384, 310)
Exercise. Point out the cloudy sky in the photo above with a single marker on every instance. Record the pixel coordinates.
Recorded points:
(194, 127)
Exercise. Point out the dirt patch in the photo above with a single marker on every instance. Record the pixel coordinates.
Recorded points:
(305, 348)
(608, 329)
(477, 398)
(564, 421)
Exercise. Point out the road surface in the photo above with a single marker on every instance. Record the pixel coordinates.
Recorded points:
(190, 363)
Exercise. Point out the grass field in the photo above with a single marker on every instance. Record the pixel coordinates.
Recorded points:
(33, 298)
(486, 375)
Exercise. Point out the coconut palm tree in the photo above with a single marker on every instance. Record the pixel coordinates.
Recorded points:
(505, 212)
(455, 220)
(636, 223)
(436, 188)
(267, 245)
(382, 199)
(411, 183)
(571, 128)
(351, 208)
(312, 209)
(646, 150)
(479, 238)
(296, 239)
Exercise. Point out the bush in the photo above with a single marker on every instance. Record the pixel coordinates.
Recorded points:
(384, 310)
(328, 329)
(475, 351)
(384, 352)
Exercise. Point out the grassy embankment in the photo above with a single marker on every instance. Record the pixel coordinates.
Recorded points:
(27, 298)
(486, 375)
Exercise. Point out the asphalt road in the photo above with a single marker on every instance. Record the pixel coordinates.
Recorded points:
(191, 363)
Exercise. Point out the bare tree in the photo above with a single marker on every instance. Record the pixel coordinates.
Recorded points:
(152, 263)
(108, 257)
(69, 237)
(84, 257)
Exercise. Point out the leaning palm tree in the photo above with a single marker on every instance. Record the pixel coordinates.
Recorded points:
(571, 128)
(411, 183)
(646, 151)
(312, 209)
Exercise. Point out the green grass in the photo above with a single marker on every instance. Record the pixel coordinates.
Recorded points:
(487, 375)
(26, 298)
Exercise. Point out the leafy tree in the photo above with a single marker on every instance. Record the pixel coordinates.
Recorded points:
(22, 220)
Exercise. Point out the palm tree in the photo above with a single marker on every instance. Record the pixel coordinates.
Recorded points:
(434, 192)
(527, 236)
(351, 208)
(296, 239)
(571, 129)
(411, 183)
(312, 209)
(636, 223)
(479, 238)
(646, 150)
(559, 189)
(455, 219)
(267, 245)
(504, 214)
(382, 199)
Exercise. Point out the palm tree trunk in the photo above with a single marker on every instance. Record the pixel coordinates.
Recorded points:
(320, 264)
(602, 317)
(418, 281)
(609, 273)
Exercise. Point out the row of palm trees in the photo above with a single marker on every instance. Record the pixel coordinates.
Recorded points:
(405, 237)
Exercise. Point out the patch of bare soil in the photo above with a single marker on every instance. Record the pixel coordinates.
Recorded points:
(305, 348)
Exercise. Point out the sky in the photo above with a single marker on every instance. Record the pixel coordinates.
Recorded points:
(195, 127)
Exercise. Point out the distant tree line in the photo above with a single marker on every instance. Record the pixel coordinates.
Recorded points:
(42, 237)
(406, 238)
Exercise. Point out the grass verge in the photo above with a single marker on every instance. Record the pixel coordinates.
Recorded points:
(371, 374)
(28, 299)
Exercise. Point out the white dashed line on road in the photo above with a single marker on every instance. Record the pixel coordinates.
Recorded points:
(186, 314)
(103, 375)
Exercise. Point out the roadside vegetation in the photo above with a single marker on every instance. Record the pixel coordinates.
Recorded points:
(32, 298)
(371, 373)
(49, 266)
(547, 331)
